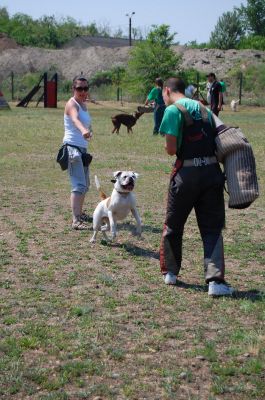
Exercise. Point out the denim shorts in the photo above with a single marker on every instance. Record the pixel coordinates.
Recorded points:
(79, 175)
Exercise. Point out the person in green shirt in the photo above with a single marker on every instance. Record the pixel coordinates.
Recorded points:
(155, 96)
(196, 182)
(223, 89)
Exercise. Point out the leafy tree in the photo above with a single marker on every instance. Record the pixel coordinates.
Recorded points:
(23, 29)
(68, 28)
(91, 30)
(4, 19)
(137, 33)
(152, 58)
(227, 32)
(253, 16)
(252, 42)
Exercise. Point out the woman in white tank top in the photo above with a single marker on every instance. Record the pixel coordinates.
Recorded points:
(77, 132)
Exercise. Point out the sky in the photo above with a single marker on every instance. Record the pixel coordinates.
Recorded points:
(191, 19)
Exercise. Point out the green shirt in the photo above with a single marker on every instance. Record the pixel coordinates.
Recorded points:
(173, 119)
(156, 95)
(223, 86)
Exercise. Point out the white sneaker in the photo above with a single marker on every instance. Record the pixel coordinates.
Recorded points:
(219, 289)
(170, 279)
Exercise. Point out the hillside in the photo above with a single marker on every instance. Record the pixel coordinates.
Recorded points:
(71, 61)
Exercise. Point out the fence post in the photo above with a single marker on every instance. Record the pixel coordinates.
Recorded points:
(12, 85)
(198, 85)
(240, 86)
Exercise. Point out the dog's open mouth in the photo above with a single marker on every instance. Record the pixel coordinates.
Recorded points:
(128, 187)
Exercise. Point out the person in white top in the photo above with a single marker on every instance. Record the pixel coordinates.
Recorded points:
(77, 132)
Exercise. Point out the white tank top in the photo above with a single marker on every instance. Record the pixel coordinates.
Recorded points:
(72, 134)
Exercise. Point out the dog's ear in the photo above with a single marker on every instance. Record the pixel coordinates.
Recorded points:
(135, 175)
(116, 174)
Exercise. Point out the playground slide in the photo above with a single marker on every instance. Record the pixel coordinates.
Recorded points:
(25, 101)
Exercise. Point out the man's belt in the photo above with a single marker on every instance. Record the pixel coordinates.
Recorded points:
(199, 161)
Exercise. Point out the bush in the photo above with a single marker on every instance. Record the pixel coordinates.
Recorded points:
(252, 42)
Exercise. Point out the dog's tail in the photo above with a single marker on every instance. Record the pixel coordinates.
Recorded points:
(102, 194)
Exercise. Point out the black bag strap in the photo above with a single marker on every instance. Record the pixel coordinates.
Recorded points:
(189, 121)
(204, 112)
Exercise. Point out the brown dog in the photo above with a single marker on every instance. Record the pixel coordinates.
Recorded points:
(128, 120)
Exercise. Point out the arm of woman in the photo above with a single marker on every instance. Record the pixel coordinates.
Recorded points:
(73, 114)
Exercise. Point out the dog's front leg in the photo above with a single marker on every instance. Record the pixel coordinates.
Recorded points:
(94, 237)
(112, 223)
(138, 221)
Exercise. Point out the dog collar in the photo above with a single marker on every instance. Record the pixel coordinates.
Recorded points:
(123, 193)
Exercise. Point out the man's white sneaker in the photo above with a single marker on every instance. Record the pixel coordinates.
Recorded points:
(170, 279)
(220, 289)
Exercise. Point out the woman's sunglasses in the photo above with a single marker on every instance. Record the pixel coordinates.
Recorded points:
(81, 88)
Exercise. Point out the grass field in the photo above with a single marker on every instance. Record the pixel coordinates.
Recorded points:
(82, 321)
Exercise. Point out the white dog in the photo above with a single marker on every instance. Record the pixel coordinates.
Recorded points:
(117, 206)
(234, 104)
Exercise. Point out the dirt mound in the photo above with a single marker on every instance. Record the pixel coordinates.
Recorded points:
(7, 43)
(71, 61)
(218, 61)
(68, 62)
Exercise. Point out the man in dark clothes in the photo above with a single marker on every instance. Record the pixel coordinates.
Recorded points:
(196, 182)
(216, 95)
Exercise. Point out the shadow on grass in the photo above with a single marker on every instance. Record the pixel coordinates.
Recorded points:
(146, 228)
(134, 250)
(194, 286)
(140, 252)
(252, 295)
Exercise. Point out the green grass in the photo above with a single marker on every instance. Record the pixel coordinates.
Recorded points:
(79, 321)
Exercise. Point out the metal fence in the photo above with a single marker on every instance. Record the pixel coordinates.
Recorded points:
(16, 87)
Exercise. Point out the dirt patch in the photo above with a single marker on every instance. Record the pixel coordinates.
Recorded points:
(7, 43)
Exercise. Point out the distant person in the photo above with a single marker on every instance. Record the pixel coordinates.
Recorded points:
(216, 96)
(196, 182)
(208, 93)
(190, 91)
(223, 89)
(77, 132)
(155, 96)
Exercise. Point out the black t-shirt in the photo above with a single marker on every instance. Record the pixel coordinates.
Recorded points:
(216, 88)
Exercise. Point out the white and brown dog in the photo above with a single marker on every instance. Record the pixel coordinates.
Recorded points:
(117, 206)
(234, 104)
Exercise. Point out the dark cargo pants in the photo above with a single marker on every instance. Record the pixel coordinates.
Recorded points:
(200, 188)
(158, 116)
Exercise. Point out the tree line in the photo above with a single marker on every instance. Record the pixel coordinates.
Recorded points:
(48, 32)
(241, 28)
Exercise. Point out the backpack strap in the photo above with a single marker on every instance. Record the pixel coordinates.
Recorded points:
(204, 112)
(189, 121)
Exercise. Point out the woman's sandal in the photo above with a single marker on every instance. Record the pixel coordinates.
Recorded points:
(85, 218)
(79, 226)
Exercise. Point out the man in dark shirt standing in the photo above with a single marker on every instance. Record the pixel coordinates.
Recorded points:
(216, 94)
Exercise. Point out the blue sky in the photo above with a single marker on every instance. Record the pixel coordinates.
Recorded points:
(192, 19)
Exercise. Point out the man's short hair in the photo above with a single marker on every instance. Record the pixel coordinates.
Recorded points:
(175, 84)
(212, 75)
(159, 82)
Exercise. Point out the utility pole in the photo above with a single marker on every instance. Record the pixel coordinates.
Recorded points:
(130, 27)
(240, 87)
(12, 85)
